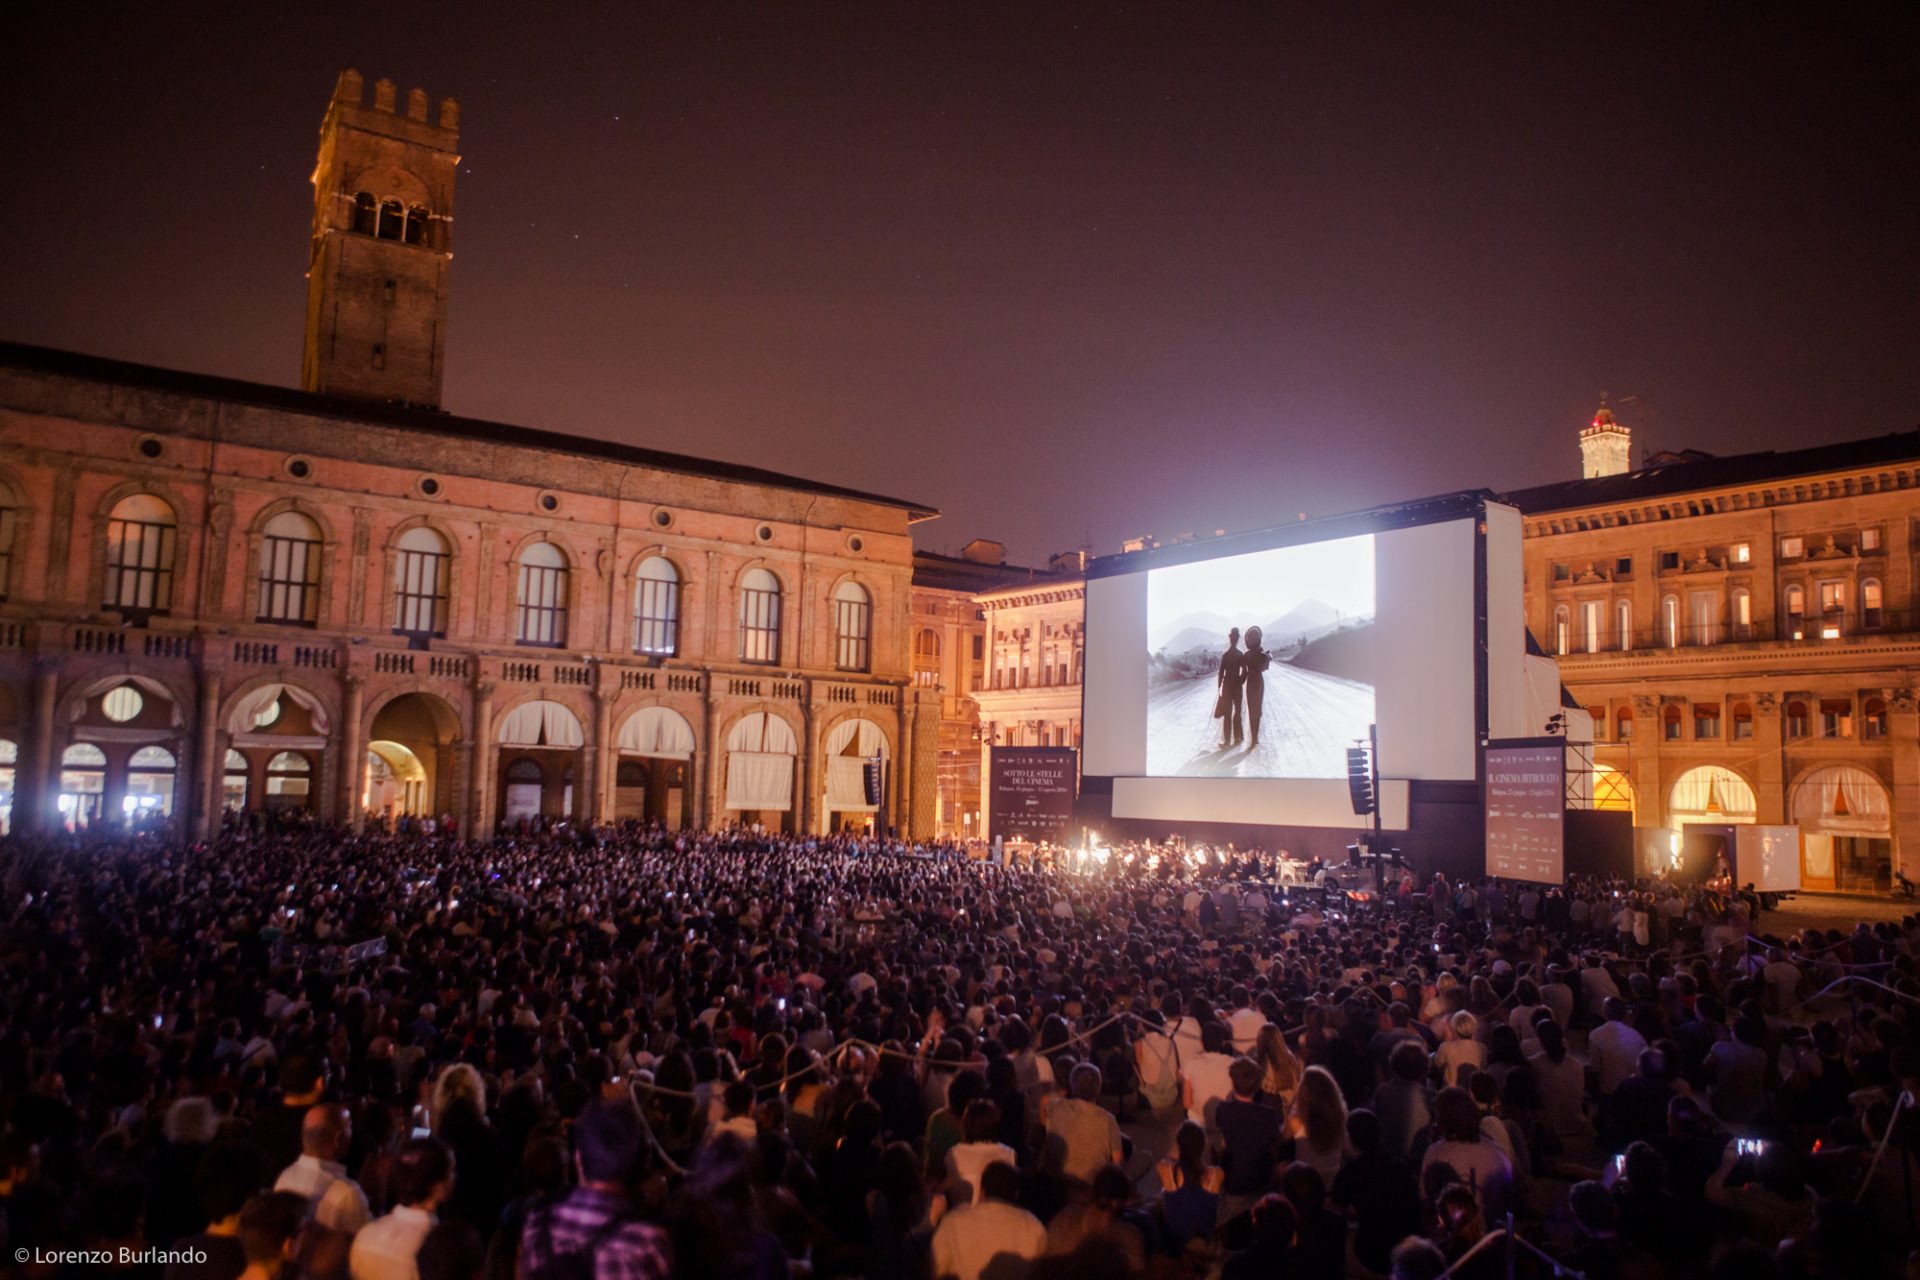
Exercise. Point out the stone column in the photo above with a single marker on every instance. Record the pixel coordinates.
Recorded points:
(478, 821)
(206, 755)
(707, 784)
(599, 752)
(1648, 789)
(1772, 804)
(353, 749)
(1903, 725)
(39, 787)
(903, 766)
(812, 773)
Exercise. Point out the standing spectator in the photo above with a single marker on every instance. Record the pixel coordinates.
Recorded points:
(1613, 1048)
(1317, 1123)
(269, 1227)
(334, 1200)
(230, 1173)
(1403, 1102)
(1378, 1188)
(596, 1218)
(422, 1181)
(1250, 1140)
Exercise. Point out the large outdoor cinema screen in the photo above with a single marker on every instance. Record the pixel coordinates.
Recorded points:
(1226, 680)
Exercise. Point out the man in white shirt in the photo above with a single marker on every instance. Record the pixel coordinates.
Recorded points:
(386, 1248)
(334, 1200)
(1204, 1077)
(1597, 985)
(1245, 1021)
(1613, 1048)
(974, 1240)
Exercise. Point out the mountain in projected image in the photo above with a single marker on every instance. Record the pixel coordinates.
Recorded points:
(1306, 621)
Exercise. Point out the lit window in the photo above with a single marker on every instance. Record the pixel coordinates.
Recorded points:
(1792, 548)
(542, 598)
(140, 534)
(290, 570)
(1870, 614)
(1742, 553)
(759, 617)
(420, 567)
(122, 704)
(1870, 539)
(656, 608)
(852, 627)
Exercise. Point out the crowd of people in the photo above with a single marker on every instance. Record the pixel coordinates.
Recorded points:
(628, 1055)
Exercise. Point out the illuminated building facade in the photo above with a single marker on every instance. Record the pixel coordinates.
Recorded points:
(226, 596)
(1036, 645)
(1745, 633)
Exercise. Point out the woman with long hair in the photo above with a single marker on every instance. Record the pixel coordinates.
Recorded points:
(1562, 1082)
(1317, 1122)
(1280, 1068)
(1189, 1188)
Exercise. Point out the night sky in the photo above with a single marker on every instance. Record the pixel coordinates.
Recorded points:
(1062, 271)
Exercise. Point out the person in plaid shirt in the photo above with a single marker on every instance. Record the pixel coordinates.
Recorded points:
(595, 1224)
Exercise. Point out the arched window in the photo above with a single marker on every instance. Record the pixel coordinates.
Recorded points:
(1742, 721)
(852, 627)
(1670, 621)
(140, 534)
(1623, 623)
(1799, 724)
(149, 782)
(926, 645)
(1592, 625)
(656, 608)
(9, 515)
(363, 213)
(759, 617)
(233, 782)
(393, 218)
(1873, 718)
(543, 596)
(420, 583)
(289, 774)
(416, 224)
(290, 570)
(83, 783)
(1623, 725)
(1870, 596)
(1562, 629)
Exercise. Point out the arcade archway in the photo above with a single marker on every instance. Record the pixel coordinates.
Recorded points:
(1710, 793)
(762, 751)
(540, 746)
(849, 747)
(1846, 822)
(414, 737)
(653, 767)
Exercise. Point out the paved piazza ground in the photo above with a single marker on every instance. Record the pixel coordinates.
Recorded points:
(1835, 911)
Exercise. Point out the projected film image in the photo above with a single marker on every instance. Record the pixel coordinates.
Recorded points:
(1261, 665)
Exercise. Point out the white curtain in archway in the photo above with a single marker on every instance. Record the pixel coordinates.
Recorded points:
(1711, 793)
(1842, 800)
(850, 744)
(541, 724)
(657, 731)
(760, 752)
(247, 710)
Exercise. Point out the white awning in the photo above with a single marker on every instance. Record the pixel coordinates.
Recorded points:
(248, 709)
(763, 732)
(657, 731)
(862, 738)
(540, 724)
(760, 780)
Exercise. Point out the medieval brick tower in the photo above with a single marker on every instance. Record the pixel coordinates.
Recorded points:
(382, 246)
(1606, 446)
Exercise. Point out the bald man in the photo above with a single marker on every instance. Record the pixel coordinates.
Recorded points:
(334, 1200)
